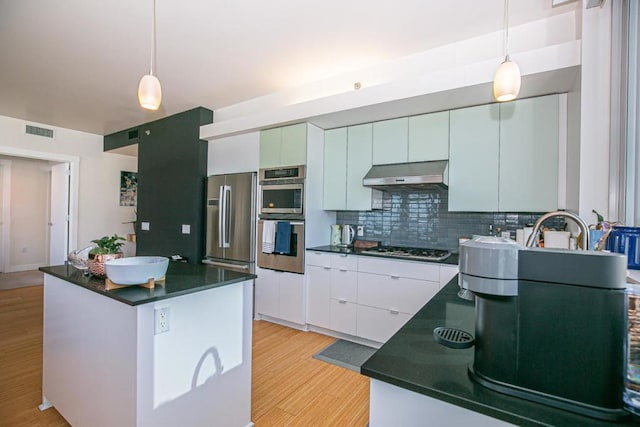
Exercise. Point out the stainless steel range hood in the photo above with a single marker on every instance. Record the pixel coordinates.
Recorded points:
(417, 175)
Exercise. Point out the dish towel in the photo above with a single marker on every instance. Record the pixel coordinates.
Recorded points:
(283, 238)
(268, 236)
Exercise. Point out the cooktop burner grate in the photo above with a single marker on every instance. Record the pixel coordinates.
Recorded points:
(407, 252)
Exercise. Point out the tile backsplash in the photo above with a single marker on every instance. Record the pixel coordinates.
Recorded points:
(421, 219)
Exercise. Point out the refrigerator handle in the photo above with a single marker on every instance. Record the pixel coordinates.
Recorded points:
(221, 217)
(227, 221)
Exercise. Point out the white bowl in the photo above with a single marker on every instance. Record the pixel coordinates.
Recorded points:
(136, 270)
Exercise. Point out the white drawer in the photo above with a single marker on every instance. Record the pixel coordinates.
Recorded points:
(343, 317)
(344, 262)
(377, 324)
(394, 293)
(321, 259)
(344, 285)
(410, 269)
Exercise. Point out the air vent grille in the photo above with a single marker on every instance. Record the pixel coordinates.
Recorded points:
(38, 131)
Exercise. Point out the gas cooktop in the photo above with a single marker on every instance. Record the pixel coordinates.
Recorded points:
(411, 253)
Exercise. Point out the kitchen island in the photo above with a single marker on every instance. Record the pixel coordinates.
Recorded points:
(416, 381)
(106, 361)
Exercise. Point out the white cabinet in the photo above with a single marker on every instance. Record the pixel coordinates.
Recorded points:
(284, 146)
(280, 295)
(369, 297)
(347, 159)
(390, 141)
(505, 158)
(429, 137)
(390, 292)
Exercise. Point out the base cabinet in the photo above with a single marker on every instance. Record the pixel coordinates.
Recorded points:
(280, 295)
(369, 297)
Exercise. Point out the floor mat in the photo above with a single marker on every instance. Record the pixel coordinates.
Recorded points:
(346, 354)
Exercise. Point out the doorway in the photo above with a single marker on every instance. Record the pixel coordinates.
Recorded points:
(57, 229)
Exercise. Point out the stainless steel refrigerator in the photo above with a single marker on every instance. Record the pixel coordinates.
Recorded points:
(231, 221)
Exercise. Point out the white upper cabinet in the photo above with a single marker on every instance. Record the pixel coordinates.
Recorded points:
(390, 141)
(429, 137)
(529, 155)
(284, 146)
(473, 158)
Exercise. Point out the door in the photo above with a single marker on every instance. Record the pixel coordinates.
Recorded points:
(215, 185)
(240, 217)
(59, 216)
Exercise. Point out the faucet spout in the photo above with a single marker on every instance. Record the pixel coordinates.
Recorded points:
(584, 229)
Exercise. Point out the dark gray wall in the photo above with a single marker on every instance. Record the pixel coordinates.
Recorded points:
(172, 167)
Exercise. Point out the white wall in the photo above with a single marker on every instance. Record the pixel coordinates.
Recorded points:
(97, 211)
(29, 215)
(595, 110)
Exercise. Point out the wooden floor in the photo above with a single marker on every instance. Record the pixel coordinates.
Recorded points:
(289, 388)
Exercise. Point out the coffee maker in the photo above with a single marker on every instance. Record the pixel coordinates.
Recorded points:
(549, 324)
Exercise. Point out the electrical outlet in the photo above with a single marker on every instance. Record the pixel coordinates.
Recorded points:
(162, 320)
(144, 226)
(360, 232)
(186, 229)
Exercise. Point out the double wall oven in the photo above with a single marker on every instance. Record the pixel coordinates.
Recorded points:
(281, 218)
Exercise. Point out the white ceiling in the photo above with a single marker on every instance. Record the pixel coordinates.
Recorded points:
(77, 63)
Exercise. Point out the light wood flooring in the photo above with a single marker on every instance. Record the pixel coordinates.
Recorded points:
(289, 388)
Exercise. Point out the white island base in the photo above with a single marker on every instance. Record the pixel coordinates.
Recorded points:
(103, 364)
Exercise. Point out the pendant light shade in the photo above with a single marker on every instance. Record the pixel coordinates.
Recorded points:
(506, 81)
(149, 92)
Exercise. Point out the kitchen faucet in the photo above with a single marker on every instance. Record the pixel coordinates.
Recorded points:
(584, 229)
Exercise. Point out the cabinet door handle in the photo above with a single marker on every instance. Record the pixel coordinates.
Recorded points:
(394, 312)
(341, 301)
(344, 255)
(395, 277)
(326, 268)
(344, 270)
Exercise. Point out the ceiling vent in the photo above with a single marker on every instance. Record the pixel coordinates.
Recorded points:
(38, 131)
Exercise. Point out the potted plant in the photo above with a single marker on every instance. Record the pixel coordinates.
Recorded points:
(107, 248)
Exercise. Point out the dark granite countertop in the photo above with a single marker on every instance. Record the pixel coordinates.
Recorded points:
(451, 260)
(181, 279)
(412, 359)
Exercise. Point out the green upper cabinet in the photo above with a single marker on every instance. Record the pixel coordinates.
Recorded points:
(335, 169)
(390, 141)
(284, 146)
(429, 137)
(505, 157)
(529, 141)
(359, 155)
(473, 158)
(347, 159)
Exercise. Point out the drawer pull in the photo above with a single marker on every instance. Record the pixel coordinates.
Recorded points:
(395, 277)
(394, 312)
(326, 268)
(344, 255)
(344, 270)
(341, 301)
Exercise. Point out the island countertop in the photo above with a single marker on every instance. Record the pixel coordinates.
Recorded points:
(412, 360)
(181, 279)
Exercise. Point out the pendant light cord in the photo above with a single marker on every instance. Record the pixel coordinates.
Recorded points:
(505, 41)
(153, 39)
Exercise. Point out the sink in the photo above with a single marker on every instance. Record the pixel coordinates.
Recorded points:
(136, 270)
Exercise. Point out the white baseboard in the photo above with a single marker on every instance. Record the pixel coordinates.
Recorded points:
(345, 337)
(23, 267)
(281, 322)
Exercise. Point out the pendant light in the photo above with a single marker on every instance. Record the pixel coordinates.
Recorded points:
(506, 81)
(149, 90)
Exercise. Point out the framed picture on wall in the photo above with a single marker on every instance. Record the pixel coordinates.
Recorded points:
(128, 188)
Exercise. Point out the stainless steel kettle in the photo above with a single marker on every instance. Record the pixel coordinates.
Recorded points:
(348, 233)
